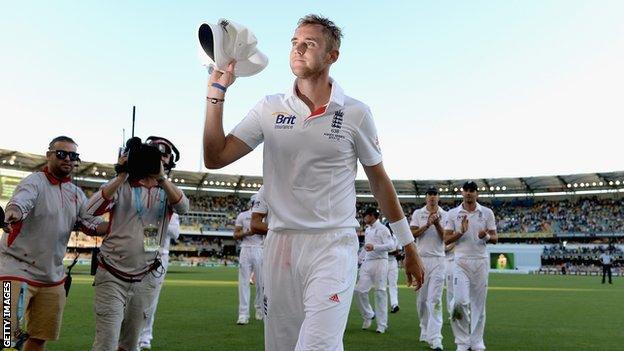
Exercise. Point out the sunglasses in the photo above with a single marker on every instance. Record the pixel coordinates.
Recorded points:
(62, 154)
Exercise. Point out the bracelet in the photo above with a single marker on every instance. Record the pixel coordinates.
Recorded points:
(214, 100)
(161, 179)
(219, 86)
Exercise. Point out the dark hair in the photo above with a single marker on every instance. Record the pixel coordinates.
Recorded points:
(332, 32)
(61, 138)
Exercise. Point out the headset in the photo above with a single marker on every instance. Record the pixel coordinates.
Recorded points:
(175, 153)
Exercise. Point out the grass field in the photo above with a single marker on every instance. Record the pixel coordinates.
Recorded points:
(198, 311)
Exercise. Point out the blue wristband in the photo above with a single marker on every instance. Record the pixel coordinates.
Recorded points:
(219, 86)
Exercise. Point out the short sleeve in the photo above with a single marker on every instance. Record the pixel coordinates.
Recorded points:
(449, 224)
(414, 219)
(239, 220)
(366, 141)
(249, 130)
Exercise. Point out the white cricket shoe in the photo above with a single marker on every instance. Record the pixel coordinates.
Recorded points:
(380, 330)
(259, 315)
(242, 320)
(367, 323)
(436, 345)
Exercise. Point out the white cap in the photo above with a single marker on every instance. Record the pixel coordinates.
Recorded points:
(221, 43)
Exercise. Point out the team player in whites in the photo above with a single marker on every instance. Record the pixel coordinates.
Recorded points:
(173, 232)
(309, 169)
(427, 227)
(471, 226)
(250, 260)
(393, 275)
(374, 271)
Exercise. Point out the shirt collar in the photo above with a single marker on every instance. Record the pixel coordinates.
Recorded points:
(479, 208)
(337, 95)
(54, 180)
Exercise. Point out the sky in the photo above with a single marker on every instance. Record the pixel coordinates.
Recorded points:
(458, 89)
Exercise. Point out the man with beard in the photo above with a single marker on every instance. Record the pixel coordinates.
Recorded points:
(471, 226)
(42, 213)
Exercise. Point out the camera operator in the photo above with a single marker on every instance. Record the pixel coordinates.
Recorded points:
(44, 209)
(140, 206)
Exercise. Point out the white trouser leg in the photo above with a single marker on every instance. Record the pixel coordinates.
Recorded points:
(478, 294)
(381, 308)
(256, 266)
(147, 332)
(449, 284)
(244, 273)
(460, 313)
(393, 278)
(421, 306)
(309, 281)
(362, 287)
(435, 270)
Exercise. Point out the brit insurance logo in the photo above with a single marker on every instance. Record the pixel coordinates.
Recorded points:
(284, 121)
(336, 126)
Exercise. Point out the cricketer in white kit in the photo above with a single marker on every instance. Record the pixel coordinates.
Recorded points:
(427, 227)
(393, 275)
(313, 137)
(471, 226)
(374, 271)
(250, 260)
(173, 232)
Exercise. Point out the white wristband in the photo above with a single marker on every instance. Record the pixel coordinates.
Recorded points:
(402, 231)
(486, 238)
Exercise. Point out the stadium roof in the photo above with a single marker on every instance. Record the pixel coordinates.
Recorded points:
(95, 173)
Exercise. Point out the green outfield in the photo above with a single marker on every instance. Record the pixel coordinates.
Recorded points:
(198, 311)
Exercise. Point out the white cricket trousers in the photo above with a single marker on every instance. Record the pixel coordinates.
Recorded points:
(147, 332)
(121, 310)
(449, 283)
(429, 300)
(470, 281)
(250, 260)
(308, 287)
(393, 279)
(373, 274)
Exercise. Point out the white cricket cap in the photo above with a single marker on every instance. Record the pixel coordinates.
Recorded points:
(225, 41)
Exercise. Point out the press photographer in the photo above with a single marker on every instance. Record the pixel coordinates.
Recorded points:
(141, 201)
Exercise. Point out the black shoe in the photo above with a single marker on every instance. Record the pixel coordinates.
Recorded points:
(395, 309)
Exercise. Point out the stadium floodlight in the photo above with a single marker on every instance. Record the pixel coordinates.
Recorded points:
(96, 173)
(575, 185)
(440, 189)
(181, 180)
(445, 189)
(569, 185)
(205, 182)
(483, 188)
(497, 188)
(211, 182)
(504, 188)
(233, 184)
(176, 180)
(170, 179)
(611, 182)
(4, 161)
(103, 174)
(617, 182)
(11, 162)
(594, 184)
(455, 189)
(582, 185)
(491, 188)
(601, 183)
(255, 185)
